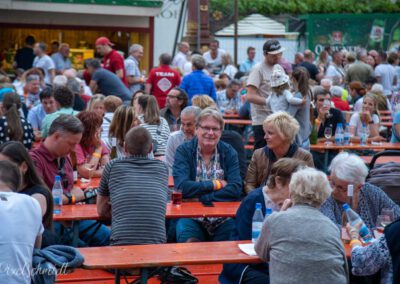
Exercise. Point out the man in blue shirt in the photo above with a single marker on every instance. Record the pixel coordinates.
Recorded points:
(197, 82)
(47, 105)
(61, 59)
(249, 63)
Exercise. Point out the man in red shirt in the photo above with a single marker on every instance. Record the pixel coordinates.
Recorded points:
(162, 79)
(112, 60)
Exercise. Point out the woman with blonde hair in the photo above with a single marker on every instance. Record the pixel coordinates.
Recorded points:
(123, 120)
(96, 104)
(203, 102)
(227, 65)
(149, 115)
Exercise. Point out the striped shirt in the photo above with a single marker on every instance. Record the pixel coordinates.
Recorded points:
(138, 194)
(159, 133)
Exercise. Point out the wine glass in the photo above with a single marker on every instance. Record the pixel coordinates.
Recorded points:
(388, 212)
(328, 134)
(382, 221)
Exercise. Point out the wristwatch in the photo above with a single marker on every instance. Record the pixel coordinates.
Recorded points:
(69, 196)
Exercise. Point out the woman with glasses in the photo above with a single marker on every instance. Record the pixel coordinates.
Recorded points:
(149, 115)
(207, 169)
(177, 100)
(91, 153)
(32, 185)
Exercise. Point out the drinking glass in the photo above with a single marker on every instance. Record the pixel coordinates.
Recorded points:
(176, 197)
(388, 212)
(90, 167)
(328, 135)
(382, 221)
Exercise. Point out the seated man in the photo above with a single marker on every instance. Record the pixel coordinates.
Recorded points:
(230, 100)
(188, 130)
(207, 169)
(21, 223)
(141, 183)
(52, 158)
(326, 116)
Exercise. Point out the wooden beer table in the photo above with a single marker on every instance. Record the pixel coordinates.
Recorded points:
(96, 183)
(238, 121)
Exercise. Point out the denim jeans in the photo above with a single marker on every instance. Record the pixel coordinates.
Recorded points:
(190, 228)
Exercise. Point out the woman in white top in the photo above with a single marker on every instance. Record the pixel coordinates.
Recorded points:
(149, 116)
(227, 66)
(369, 118)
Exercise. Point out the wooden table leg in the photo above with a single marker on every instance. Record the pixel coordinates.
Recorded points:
(144, 275)
(75, 232)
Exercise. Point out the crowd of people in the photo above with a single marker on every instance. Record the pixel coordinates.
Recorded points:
(112, 122)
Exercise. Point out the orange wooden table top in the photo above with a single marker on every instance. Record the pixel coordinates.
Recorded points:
(141, 256)
(238, 121)
(96, 182)
(321, 146)
(231, 115)
(80, 212)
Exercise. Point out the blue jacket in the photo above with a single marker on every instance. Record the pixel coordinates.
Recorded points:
(231, 273)
(184, 171)
(198, 83)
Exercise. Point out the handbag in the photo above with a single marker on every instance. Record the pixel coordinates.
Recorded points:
(172, 275)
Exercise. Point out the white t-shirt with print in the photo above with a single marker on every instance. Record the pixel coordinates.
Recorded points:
(356, 121)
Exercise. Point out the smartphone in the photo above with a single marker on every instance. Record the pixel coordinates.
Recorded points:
(208, 204)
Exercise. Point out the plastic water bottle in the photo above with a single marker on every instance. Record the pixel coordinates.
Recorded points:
(346, 135)
(363, 135)
(268, 212)
(339, 135)
(257, 223)
(356, 222)
(57, 192)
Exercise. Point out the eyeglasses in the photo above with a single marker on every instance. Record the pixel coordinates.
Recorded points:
(172, 97)
(208, 129)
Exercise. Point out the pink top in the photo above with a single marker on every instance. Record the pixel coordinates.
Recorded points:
(82, 152)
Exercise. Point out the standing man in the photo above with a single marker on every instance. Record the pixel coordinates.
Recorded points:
(133, 75)
(259, 88)
(213, 57)
(181, 58)
(112, 60)
(315, 73)
(249, 63)
(386, 74)
(43, 61)
(24, 56)
(61, 59)
(359, 71)
(335, 71)
(162, 79)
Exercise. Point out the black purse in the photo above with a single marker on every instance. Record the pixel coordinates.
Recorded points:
(171, 275)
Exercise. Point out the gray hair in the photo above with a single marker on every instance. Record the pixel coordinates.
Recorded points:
(60, 80)
(135, 47)
(74, 85)
(349, 167)
(234, 82)
(42, 46)
(213, 113)
(198, 62)
(326, 81)
(377, 88)
(309, 186)
(32, 77)
(191, 110)
(336, 91)
(67, 124)
(361, 54)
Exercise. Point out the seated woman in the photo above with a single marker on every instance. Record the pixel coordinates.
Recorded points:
(280, 131)
(301, 243)
(124, 119)
(203, 101)
(207, 169)
(368, 117)
(270, 196)
(32, 185)
(382, 255)
(91, 153)
(149, 115)
(12, 126)
(357, 92)
(135, 98)
(368, 200)
(96, 104)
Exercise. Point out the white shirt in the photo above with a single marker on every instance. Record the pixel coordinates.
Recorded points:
(387, 73)
(180, 60)
(46, 63)
(282, 102)
(229, 70)
(21, 223)
(213, 62)
(334, 73)
(108, 116)
(356, 122)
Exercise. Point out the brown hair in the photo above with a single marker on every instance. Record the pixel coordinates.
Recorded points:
(111, 103)
(302, 77)
(283, 169)
(91, 122)
(138, 141)
(358, 87)
(151, 111)
(124, 119)
(11, 104)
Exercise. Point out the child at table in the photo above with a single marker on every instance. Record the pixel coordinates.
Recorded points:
(281, 97)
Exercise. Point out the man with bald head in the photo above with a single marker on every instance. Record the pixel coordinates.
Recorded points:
(140, 182)
(313, 70)
(181, 58)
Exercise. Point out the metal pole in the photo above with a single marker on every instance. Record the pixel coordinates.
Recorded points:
(235, 38)
(198, 25)
(178, 29)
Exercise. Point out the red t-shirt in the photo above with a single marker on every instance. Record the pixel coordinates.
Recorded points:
(340, 104)
(162, 80)
(113, 62)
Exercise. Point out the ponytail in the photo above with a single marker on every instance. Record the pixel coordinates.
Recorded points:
(11, 104)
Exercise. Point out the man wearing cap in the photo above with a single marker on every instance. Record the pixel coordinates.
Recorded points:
(112, 60)
(259, 89)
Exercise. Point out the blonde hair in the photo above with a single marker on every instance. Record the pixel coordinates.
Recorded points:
(309, 186)
(285, 124)
(124, 119)
(98, 98)
(203, 102)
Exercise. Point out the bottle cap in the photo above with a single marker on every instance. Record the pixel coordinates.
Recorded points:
(340, 124)
(345, 206)
(258, 206)
(58, 178)
(268, 211)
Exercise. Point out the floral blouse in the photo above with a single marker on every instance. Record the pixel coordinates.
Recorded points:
(370, 259)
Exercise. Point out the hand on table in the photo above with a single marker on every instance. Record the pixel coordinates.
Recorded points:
(78, 193)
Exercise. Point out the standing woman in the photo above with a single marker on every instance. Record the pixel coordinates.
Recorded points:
(32, 185)
(149, 115)
(12, 126)
(301, 113)
(124, 119)
(91, 152)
